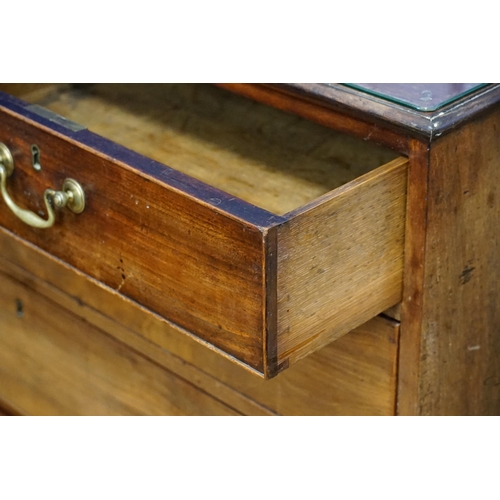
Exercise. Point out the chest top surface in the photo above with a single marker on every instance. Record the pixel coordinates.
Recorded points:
(420, 110)
(419, 96)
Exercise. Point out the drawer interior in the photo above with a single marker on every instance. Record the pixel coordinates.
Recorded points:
(272, 159)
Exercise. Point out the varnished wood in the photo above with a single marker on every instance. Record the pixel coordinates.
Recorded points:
(398, 119)
(458, 369)
(164, 242)
(126, 321)
(303, 103)
(137, 329)
(448, 351)
(414, 265)
(357, 112)
(171, 252)
(54, 363)
(394, 312)
(271, 159)
(83, 289)
(355, 375)
(340, 261)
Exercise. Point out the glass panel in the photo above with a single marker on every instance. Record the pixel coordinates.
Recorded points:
(419, 96)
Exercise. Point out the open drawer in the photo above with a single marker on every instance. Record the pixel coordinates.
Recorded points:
(266, 236)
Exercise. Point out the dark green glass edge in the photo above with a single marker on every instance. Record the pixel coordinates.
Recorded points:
(411, 105)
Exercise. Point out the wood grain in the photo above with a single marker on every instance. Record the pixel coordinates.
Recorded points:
(414, 272)
(173, 253)
(398, 122)
(352, 376)
(308, 102)
(394, 312)
(355, 375)
(129, 322)
(364, 115)
(271, 159)
(54, 363)
(340, 261)
(458, 368)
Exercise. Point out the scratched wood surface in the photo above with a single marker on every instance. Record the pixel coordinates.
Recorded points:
(340, 261)
(170, 251)
(272, 159)
(389, 123)
(412, 304)
(355, 375)
(311, 105)
(54, 363)
(197, 255)
(455, 336)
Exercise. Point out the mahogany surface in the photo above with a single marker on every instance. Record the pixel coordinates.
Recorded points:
(443, 357)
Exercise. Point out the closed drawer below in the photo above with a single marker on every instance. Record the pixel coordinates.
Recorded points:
(54, 362)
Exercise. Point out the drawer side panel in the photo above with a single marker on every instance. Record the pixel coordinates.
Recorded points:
(340, 261)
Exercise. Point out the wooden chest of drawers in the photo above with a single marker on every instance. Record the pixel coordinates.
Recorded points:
(247, 276)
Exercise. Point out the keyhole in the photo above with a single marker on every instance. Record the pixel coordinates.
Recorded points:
(19, 308)
(35, 157)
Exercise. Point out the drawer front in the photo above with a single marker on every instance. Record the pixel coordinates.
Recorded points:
(145, 235)
(355, 375)
(263, 288)
(54, 363)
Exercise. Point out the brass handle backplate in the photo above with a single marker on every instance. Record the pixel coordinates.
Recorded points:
(71, 195)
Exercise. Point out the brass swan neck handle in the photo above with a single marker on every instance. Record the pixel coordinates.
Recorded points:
(71, 195)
